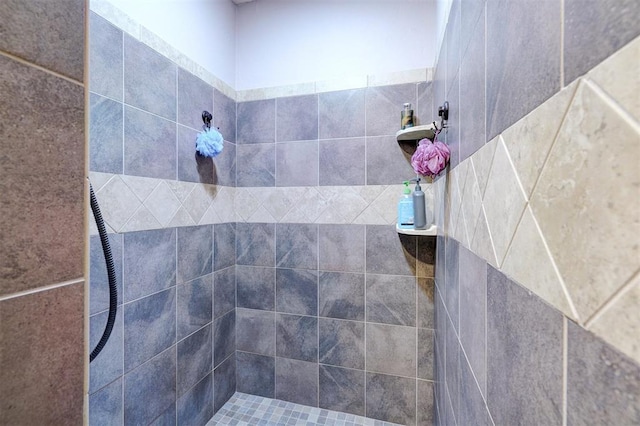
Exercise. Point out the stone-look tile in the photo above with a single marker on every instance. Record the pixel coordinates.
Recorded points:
(440, 262)
(224, 115)
(297, 164)
(472, 407)
(341, 248)
(194, 308)
(426, 356)
(423, 111)
(391, 398)
(224, 337)
(224, 382)
(452, 38)
(568, 200)
(224, 245)
(342, 162)
(297, 291)
(518, 80)
(99, 281)
(482, 161)
(195, 359)
(256, 287)
(297, 118)
(383, 106)
(39, 212)
(149, 79)
(42, 357)
(620, 324)
(194, 96)
(341, 114)
(256, 165)
(162, 204)
(255, 244)
(619, 77)
(387, 162)
(105, 135)
(341, 343)
(472, 85)
(297, 381)
(471, 12)
(51, 38)
(521, 328)
(452, 283)
(391, 349)
(193, 167)
(149, 327)
(471, 203)
(388, 252)
(593, 30)
(149, 145)
(195, 245)
(426, 259)
(224, 166)
(105, 58)
(503, 202)
(256, 331)
(297, 337)
(341, 295)
(256, 122)
(473, 312)
(195, 407)
(107, 366)
(452, 134)
(256, 374)
(603, 386)
(391, 299)
(149, 262)
(439, 95)
(426, 303)
(118, 203)
(224, 291)
(341, 390)
(168, 418)
(452, 367)
(530, 139)
(425, 410)
(105, 406)
(150, 389)
(529, 263)
(297, 246)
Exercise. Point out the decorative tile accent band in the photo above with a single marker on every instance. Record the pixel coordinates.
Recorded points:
(132, 203)
(553, 201)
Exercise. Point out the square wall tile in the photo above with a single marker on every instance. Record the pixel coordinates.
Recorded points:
(255, 244)
(107, 366)
(256, 121)
(256, 165)
(194, 97)
(193, 167)
(341, 343)
(225, 166)
(297, 164)
(297, 381)
(388, 252)
(297, 337)
(473, 409)
(224, 291)
(149, 79)
(195, 359)
(387, 162)
(194, 308)
(391, 299)
(224, 115)
(391, 349)
(452, 283)
(423, 113)
(256, 287)
(99, 281)
(341, 295)
(224, 382)
(224, 245)
(297, 291)
(342, 162)
(297, 246)
(341, 248)
(256, 331)
(426, 407)
(105, 135)
(341, 389)
(195, 246)
(341, 114)
(426, 303)
(256, 374)
(391, 398)
(105, 405)
(452, 35)
(426, 350)
(297, 118)
(224, 337)
(196, 405)
(105, 58)
(383, 106)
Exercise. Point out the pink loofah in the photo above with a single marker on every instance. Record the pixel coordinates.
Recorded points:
(430, 158)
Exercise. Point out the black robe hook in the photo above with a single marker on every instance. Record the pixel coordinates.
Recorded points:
(207, 117)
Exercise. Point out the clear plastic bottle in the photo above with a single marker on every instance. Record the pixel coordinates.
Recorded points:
(405, 208)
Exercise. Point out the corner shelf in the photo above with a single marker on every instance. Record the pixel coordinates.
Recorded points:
(408, 138)
(431, 231)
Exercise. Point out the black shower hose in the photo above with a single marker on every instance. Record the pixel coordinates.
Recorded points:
(111, 273)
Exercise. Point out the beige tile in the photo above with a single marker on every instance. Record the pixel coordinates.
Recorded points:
(182, 218)
(141, 186)
(348, 204)
(210, 217)
(587, 201)
(117, 202)
(619, 324)
(482, 160)
(246, 203)
(530, 139)
(619, 76)
(197, 202)
(471, 202)
(162, 203)
(141, 220)
(386, 205)
(370, 192)
(530, 264)
(117, 17)
(481, 243)
(181, 189)
(279, 201)
(98, 180)
(344, 83)
(503, 202)
(369, 217)
(223, 203)
(400, 77)
(261, 216)
(331, 215)
(43, 352)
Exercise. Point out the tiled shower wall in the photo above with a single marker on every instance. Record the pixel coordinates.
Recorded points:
(537, 291)
(41, 214)
(171, 356)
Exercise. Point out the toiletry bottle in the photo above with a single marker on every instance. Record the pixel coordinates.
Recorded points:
(406, 117)
(419, 207)
(405, 208)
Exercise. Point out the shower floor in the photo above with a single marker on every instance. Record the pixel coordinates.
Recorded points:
(244, 409)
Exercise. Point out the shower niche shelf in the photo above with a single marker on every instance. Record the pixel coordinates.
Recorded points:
(408, 138)
(431, 231)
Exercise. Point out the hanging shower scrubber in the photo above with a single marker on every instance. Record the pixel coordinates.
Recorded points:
(209, 142)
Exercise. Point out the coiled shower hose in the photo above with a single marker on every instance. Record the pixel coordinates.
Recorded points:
(111, 273)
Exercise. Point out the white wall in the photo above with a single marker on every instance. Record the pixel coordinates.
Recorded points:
(204, 30)
(281, 42)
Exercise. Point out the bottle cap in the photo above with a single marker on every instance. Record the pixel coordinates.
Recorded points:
(406, 190)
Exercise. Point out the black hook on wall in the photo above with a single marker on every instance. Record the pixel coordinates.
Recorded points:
(206, 118)
(443, 113)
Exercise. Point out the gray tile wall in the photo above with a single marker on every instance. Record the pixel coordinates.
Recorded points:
(42, 212)
(498, 348)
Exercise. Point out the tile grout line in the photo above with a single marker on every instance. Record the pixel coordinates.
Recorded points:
(565, 362)
(41, 68)
(41, 289)
(612, 300)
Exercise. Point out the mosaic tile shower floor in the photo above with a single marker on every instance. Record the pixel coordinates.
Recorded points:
(243, 409)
